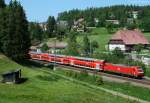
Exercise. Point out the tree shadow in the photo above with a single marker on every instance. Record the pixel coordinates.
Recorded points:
(36, 64)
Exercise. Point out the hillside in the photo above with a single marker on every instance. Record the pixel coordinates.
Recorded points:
(98, 16)
(43, 87)
(97, 34)
(102, 37)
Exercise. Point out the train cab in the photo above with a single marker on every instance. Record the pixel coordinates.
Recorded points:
(139, 72)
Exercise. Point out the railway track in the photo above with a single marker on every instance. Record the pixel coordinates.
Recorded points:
(143, 82)
(110, 77)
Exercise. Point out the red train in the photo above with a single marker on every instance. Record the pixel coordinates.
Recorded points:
(89, 63)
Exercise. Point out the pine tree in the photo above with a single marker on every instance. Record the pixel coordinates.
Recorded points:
(2, 4)
(7, 45)
(17, 40)
(2, 22)
(36, 32)
(51, 25)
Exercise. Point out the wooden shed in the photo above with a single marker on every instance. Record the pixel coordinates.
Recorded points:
(12, 76)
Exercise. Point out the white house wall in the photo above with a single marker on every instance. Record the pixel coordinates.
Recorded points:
(113, 46)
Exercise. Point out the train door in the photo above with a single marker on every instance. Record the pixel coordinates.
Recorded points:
(97, 66)
(72, 62)
(62, 59)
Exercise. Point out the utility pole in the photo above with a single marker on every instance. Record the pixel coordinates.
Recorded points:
(54, 54)
(90, 48)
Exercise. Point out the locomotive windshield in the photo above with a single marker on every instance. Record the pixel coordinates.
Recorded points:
(140, 70)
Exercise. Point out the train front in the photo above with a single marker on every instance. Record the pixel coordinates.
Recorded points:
(139, 71)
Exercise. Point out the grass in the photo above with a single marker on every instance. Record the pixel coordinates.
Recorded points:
(126, 88)
(147, 35)
(43, 87)
(148, 71)
(100, 35)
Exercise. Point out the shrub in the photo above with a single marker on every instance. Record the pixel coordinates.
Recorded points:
(44, 47)
(99, 81)
(118, 53)
(72, 74)
(75, 75)
(84, 73)
(68, 73)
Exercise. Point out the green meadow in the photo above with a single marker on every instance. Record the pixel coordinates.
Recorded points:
(42, 87)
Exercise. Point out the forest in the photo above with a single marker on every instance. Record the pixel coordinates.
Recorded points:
(119, 12)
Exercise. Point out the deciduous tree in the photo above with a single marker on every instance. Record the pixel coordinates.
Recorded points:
(138, 48)
(72, 45)
(86, 44)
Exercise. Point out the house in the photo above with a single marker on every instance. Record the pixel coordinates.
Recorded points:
(127, 39)
(55, 46)
(79, 25)
(96, 20)
(43, 25)
(135, 14)
(62, 23)
(130, 20)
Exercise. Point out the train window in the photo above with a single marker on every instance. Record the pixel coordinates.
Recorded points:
(140, 69)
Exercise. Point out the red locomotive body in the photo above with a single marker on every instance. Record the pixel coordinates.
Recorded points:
(121, 69)
(89, 63)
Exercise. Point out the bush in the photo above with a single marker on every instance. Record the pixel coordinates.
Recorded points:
(71, 74)
(84, 73)
(83, 76)
(68, 73)
(118, 53)
(99, 81)
(75, 75)
(44, 47)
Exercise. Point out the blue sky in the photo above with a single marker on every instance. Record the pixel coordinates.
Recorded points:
(39, 10)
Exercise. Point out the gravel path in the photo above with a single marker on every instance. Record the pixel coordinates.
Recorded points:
(148, 78)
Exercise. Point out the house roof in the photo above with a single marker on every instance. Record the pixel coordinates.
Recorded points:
(130, 37)
(56, 44)
(113, 20)
(33, 47)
